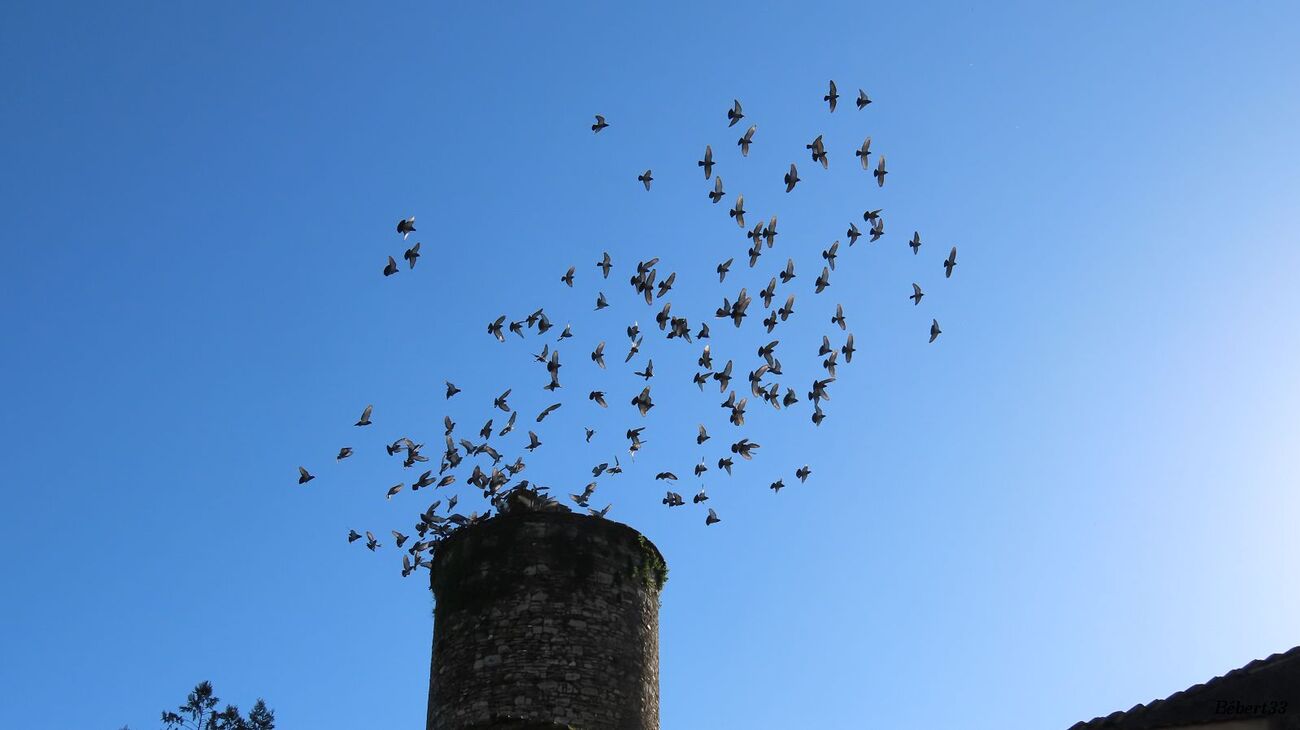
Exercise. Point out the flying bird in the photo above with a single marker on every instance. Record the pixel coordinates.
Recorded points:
(365, 416)
(734, 114)
(934, 330)
(791, 178)
(818, 151)
(712, 518)
(803, 473)
(344, 453)
(707, 162)
(412, 254)
(853, 233)
(568, 277)
(723, 268)
(915, 243)
(880, 171)
(863, 101)
(738, 210)
(406, 226)
(832, 96)
(916, 293)
(599, 125)
(717, 193)
(304, 476)
(863, 153)
(605, 264)
(838, 319)
(494, 328)
(746, 140)
(601, 302)
(645, 179)
(950, 262)
(391, 267)
(451, 389)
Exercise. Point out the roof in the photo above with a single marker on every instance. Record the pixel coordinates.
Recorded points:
(1245, 693)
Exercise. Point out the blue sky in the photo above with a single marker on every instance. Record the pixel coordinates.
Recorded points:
(1081, 497)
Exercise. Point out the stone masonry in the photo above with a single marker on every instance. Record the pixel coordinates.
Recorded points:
(546, 619)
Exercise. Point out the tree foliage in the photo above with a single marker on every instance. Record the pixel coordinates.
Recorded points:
(200, 713)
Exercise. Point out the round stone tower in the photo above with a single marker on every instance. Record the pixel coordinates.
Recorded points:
(545, 619)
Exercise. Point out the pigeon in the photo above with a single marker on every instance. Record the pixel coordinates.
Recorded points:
(448, 424)
(723, 377)
(877, 230)
(666, 475)
(707, 162)
(818, 415)
(853, 233)
(830, 253)
(745, 448)
(486, 431)
(304, 476)
(863, 153)
(734, 114)
(863, 101)
(589, 433)
(344, 453)
(725, 464)
(703, 334)
(643, 402)
(648, 372)
(400, 538)
(391, 267)
(818, 151)
(598, 355)
(880, 171)
(769, 232)
(701, 497)
(916, 293)
(645, 179)
(934, 330)
(788, 274)
(723, 268)
(717, 193)
(600, 512)
(706, 358)
(666, 285)
(768, 293)
(598, 396)
(533, 442)
(824, 280)
(371, 542)
(393, 490)
(746, 140)
(803, 473)
(566, 333)
(547, 411)
(848, 349)
(777, 485)
(510, 424)
(826, 348)
(915, 243)
(451, 389)
(791, 178)
(871, 216)
(599, 125)
(412, 254)
(787, 309)
(950, 262)
(601, 302)
(738, 211)
(406, 226)
(712, 518)
(832, 96)
(702, 437)
(605, 265)
(407, 568)
(353, 536)
(500, 402)
(365, 416)
(568, 277)
(494, 328)
(838, 319)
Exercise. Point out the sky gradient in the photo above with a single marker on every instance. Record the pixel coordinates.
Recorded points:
(1082, 497)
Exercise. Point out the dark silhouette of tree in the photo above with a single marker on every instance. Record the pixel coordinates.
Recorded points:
(200, 713)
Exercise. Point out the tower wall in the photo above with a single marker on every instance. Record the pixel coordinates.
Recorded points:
(546, 619)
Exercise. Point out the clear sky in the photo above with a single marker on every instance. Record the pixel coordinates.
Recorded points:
(1083, 496)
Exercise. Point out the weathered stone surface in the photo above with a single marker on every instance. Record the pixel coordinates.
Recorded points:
(546, 619)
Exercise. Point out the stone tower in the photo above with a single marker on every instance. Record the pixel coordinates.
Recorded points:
(545, 619)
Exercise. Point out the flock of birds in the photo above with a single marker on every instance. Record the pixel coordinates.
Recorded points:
(492, 473)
